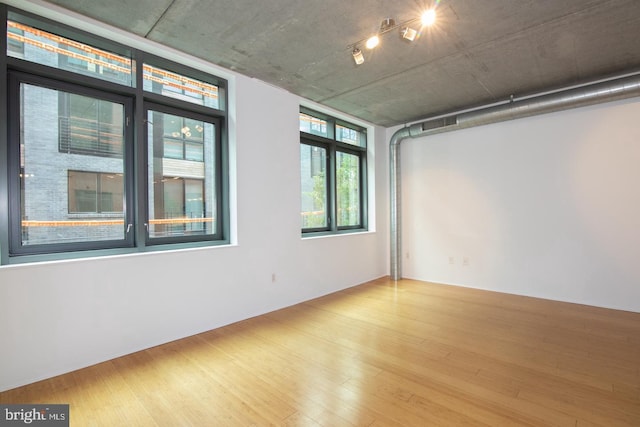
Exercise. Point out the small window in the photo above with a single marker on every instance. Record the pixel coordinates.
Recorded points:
(174, 85)
(351, 136)
(333, 178)
(42, 47)
(314, 125)
(95, 192)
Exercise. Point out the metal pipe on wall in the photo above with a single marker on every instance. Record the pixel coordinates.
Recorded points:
(614, 89)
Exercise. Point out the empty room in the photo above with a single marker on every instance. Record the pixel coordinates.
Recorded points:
(242, 213)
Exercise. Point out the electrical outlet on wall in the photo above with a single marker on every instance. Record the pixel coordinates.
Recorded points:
(465, 261)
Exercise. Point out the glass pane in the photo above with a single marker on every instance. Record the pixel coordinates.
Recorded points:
(111, 193)
(183, 138)
(348, 189)
(90, 126)
(15, 43)
(83, 192)
(313, 168)
(174, 85)
(193, 152)
(194, 203)
(313, 125)
(173, 205)
(193, 130)
(350, 136)
(63, 198)
(49, 49)
(173, 149)
(95, 192)
(182, 198)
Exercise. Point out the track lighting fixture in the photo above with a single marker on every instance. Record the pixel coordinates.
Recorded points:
(357, 56)
(407, 33)
(387, 24)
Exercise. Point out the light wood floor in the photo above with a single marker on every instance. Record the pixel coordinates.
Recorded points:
(381, 354)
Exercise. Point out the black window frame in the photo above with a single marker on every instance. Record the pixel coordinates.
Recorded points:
(218, 170)
(332, 146)
(16, 248)
(14, 70)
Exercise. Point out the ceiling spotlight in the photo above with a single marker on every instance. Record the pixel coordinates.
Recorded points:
(387, 24)
(357, 56)
(408, 33)
(372, 42)
(428, 17)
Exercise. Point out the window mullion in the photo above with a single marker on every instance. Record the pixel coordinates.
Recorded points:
(4, 159)
(331, 188)
(364, 214)
(130, 174)
(139, 149)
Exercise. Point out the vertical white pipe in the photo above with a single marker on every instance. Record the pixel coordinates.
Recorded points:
(396, 195)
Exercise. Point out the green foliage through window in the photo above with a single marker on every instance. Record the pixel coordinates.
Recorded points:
(333, 179)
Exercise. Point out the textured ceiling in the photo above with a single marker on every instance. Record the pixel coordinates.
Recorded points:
(479, 51)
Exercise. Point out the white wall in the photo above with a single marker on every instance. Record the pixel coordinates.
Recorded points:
(547, 206)
(60, 316)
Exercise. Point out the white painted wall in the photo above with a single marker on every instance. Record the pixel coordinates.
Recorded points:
(546, 206)
(60, 316)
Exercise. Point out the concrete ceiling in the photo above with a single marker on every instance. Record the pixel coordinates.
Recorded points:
(479, 51)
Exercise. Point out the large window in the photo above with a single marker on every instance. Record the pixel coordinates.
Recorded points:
(65, 200)
(333, 174)
(182, 196)
(103, 155)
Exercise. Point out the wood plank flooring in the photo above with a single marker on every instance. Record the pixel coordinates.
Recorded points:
(385, 353)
